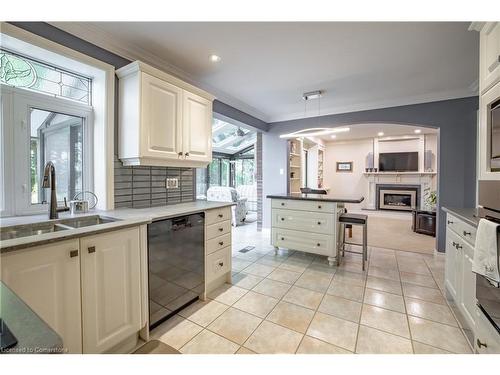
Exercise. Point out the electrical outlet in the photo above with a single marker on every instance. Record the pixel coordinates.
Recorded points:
(172, 183)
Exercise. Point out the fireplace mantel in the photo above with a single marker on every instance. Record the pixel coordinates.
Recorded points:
(432, 174)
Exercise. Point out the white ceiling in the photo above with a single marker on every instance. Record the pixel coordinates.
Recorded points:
(266, 67)
(371, 130)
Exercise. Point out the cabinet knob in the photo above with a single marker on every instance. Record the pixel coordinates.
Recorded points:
(73, 253)
(318, 244)
(179, 154)
(221, 243)
(221, 216)
(319, 222)
(282, 238)
(481, 344)
(221, 264)
(186, 154)
(467, 233)
(319, 207)
(282, 203)
(282, 219)
(91, 249)
(221, 229)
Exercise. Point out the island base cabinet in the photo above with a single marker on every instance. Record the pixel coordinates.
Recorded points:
(487, 338)
(47, 279)
(111, 289)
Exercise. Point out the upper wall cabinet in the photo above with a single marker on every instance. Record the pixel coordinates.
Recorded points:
(163, 121)
(489, 61)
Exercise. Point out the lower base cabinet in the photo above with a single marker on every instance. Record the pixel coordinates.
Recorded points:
(88, 290)
(47, 279)
(487, 338)
(111, 289)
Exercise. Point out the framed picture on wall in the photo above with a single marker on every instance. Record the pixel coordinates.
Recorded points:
(344, 166)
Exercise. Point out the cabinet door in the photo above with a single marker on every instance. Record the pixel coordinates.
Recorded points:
(489, 55)
(468, 291)
(47, 279)
(111, 282)
(197, 128)
(452, 265)
(161, 117)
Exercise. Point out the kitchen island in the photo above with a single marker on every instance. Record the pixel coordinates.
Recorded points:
(308, 222)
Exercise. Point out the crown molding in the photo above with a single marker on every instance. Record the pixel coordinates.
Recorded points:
(372, 105)
(95, 35)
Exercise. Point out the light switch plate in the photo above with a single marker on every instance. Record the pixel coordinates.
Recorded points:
(172, 183)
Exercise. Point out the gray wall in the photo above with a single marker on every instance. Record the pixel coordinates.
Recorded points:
(457, 122)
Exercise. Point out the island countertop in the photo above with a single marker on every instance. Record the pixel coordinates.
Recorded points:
(317, 197)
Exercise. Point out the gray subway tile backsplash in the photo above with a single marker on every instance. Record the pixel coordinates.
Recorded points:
(141, 187)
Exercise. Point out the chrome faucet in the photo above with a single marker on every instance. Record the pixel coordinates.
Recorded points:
(49, 181)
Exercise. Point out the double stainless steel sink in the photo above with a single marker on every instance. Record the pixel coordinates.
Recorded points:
(26, 230)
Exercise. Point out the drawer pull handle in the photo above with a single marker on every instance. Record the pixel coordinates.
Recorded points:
(73, 253)
(221, 264)
(221, 243)
(449, 222)
(481, 344)
(221, 216)
(467, 233)
(221, 229)
(91, 249)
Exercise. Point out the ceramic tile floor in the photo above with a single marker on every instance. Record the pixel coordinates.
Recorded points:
(294, 302)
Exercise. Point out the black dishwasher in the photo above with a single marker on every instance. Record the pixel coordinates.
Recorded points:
(176, 265)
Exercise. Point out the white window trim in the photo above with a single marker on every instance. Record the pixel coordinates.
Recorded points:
(103, 97)
(20, 101)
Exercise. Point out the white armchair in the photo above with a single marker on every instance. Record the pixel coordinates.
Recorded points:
(229, 194)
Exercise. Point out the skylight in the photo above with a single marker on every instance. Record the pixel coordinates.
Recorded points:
(230, 139)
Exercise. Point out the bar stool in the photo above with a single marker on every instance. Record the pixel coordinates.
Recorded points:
(346, 219)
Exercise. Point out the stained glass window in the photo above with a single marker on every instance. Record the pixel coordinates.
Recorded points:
(23, 72)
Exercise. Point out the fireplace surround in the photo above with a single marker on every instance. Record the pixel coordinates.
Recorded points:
(397, 197)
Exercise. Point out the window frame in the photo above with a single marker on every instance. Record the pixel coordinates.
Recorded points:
(21, 101)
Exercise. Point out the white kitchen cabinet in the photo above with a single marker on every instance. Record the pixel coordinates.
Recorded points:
(452, 265)
(47, 279)
(161, 116)
(111, 288)
(489, 56)
(460, 281)
(197, 128)
(163, 121)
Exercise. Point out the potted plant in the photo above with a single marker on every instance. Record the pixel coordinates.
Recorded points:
(430, 198)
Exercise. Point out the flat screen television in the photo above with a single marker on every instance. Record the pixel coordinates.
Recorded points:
(398, 162)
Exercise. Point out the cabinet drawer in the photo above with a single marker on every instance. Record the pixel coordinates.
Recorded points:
(316, 222)
(218, 229)
(218, 243)
(486, 334)
(464, 230)
(309, 242)
(218, 263)
(217, 215)
(291, 204)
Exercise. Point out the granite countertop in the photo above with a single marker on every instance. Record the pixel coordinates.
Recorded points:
(318, 198)
(468, 215)
(126, 217)
(32, 333)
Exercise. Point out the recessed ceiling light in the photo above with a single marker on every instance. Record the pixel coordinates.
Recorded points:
(380, 134)
(333, 136)
(417, 131)
(214, 58)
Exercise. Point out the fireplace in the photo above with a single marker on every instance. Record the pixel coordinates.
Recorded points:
(398, 197)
